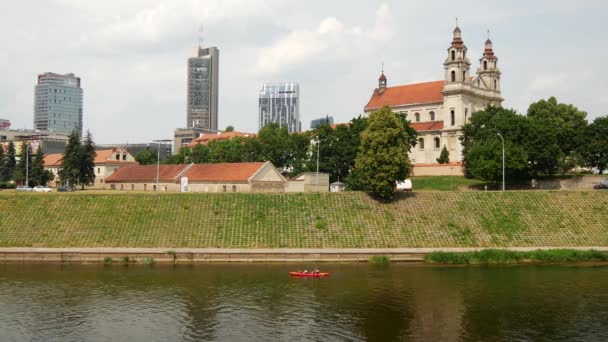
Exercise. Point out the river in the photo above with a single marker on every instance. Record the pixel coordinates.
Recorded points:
(260, 302)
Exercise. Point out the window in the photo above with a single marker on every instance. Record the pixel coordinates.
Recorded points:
(421, 144)
(452, 118)
(432, 114)
(132, 186)
(437, 143)
(98, 170)
(122, 186)
(117, 157)
(466, 113)
(495, 85)
(124, 157)
(154, 187)
(145, 187)
(453, 55)
(417, 116)
(453, 76)
(234, 188)
(224, 188)
(485, 65)
(464, 76)
(464, 53)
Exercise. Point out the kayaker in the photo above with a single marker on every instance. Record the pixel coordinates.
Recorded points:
(305, 271)
(317, 271)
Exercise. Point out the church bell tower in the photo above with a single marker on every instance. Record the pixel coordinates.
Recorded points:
(488, 67)
(457, 63)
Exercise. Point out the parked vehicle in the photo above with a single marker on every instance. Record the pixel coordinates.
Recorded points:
(42, 188)
(64, 188)
(23, 188)
(405, 185)
(602, 185)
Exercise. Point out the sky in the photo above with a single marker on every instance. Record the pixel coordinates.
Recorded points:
(131, 54)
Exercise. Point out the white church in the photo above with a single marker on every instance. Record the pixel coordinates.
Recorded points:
(439, 109)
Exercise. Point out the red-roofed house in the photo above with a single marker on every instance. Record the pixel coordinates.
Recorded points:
(205, 138)
(221, 177)
(439, 109)
(106, 163)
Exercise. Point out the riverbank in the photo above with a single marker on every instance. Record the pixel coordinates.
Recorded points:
(374, 255)
(342, 220)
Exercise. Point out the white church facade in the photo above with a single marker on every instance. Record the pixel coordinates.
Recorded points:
(439, 109)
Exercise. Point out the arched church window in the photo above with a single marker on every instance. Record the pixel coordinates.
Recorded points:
(421, 144)
(417, 117)
(464, 76)
(437, 143)
(453, 55)
(485, 65)
(453, 76)
(495, 85)
(432, 114)
(464, 53)
(452, 118)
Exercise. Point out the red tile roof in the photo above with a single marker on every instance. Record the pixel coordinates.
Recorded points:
(205, 138)
(53, 159)
(223, 172)
(427, 126)
(146, 173)
(428, 92)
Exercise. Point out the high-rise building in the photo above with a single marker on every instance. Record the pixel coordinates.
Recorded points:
(203, 72)
(328, 120)
(58, 103)
(280, 103)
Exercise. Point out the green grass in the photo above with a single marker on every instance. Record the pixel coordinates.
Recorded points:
(380, 259)
(443, 183)
(330, 220)
(500, 256)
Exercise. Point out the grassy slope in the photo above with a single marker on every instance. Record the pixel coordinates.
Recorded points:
(442, 183)
(420, 219)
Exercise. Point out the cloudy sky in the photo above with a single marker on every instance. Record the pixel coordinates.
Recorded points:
(131, 54)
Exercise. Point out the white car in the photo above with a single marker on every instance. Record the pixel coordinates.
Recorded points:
(405, 185)
(42, 188)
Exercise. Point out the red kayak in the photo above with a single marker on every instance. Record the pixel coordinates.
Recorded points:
(302, 274)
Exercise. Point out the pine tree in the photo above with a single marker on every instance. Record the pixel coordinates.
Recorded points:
(2, 161)
(444, 156)
(8, 166)
(87, 166)
(69, 172)
(39, 176)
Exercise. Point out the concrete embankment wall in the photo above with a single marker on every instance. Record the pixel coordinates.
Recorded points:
(207, 255)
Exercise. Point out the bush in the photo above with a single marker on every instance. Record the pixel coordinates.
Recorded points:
(501, 256)
(380, 260)
(6, 185)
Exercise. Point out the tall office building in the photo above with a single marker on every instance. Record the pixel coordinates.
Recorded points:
(280, 103)
(203, 71)
(58, 103)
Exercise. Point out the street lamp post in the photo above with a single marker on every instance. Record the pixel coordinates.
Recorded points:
(317, 177)
(503, 160)
(158, 158)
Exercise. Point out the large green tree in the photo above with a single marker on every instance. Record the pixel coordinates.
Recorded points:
(225, 151)
(383, 155)
(87, 161)
(200, 154)
(69, 172)
(567, 122)
(594, 148)
(482, 146)
(39, 176)
(2, 162)
(274, 144)
(9, 164)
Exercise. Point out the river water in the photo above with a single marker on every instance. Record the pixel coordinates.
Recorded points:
(260, 302)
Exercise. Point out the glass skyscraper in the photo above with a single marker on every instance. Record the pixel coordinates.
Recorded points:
(58, 103)
(280, 103)
(328, 120)
(203, 72)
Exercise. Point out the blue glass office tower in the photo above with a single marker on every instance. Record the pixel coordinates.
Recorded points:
(58, 103)
(280, 103)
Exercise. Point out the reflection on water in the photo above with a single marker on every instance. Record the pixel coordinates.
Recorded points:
(261, 303)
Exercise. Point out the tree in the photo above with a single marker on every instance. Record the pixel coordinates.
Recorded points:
(274, 144)
(482, 147)
(383, 155)
(39, 176)
(229, 128)
(9, 164)
(147, 157)
(444, 156)
(594, 148)
(567, 122)
(200, 154)
(69, 172)
(183, 156)
(87, 161)
(24, 167)
(225, 151)
(2, 162)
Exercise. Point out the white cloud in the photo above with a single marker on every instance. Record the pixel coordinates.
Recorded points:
(330, 41)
